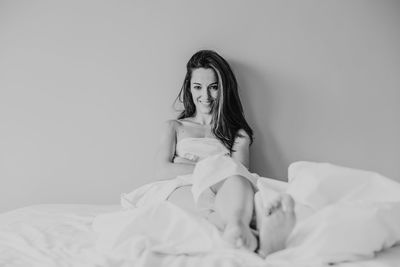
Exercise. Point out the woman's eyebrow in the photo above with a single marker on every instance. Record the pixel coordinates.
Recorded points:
(208, 85)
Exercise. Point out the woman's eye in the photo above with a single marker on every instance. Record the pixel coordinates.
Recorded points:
(215, 87)
(197, 87)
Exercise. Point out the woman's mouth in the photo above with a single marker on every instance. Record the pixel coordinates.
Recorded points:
(205, 102)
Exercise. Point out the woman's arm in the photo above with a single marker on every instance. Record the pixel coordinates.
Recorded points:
(165, 166)
(178, 159)
(241, 148)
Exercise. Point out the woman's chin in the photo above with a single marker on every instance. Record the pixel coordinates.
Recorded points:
(206, 111)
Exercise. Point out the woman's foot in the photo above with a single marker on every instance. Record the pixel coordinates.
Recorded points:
(240, 235)
(277, 222)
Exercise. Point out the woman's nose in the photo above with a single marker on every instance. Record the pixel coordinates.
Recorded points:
(206, 93)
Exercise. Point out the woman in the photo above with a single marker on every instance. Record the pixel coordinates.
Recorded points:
(212, 123)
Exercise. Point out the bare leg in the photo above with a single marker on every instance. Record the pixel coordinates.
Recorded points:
(183, 198)
(234, 205)
(276, 220)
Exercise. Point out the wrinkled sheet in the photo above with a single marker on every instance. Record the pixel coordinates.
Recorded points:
(354, 214)
(351, 215)
(61, 235)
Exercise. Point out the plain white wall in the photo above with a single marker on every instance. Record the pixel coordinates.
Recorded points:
(86, 85)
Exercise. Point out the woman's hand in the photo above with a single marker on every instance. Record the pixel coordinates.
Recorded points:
(184, 161)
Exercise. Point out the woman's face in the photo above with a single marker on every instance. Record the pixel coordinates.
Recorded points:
(204, 89)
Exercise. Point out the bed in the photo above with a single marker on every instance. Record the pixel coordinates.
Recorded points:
(62, 235)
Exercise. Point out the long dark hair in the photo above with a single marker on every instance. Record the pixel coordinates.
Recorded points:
(227, 111)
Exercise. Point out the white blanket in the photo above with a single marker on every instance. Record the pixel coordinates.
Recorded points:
(355, 213)
(61, 235)
(207, 172)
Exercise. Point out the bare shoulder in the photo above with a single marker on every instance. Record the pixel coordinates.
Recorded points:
(172, 125)
(185, 121)
(242, 137)
(168, 131)
(241, 133)
(241, 147)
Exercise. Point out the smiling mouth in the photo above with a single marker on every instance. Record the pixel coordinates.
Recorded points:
(205, 102)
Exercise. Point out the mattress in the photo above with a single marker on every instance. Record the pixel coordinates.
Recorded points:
(61, 235)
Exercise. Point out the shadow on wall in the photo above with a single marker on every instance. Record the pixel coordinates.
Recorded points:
(265, 98)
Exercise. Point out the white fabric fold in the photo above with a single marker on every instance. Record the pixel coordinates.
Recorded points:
(161, 227)
(354, 214)
(153, 193)
(215, 169)
(318, 185)
(207, 173)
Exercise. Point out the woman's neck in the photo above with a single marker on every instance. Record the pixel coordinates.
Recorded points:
(203, 119)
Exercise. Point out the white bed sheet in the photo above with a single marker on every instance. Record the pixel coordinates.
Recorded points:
(61, 235)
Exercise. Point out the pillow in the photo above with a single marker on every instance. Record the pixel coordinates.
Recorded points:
(348, 231)
(320, 184)
(356, 214)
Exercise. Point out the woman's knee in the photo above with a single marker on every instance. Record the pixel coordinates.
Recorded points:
(239, 180)
(235, 180)
(216, 187)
